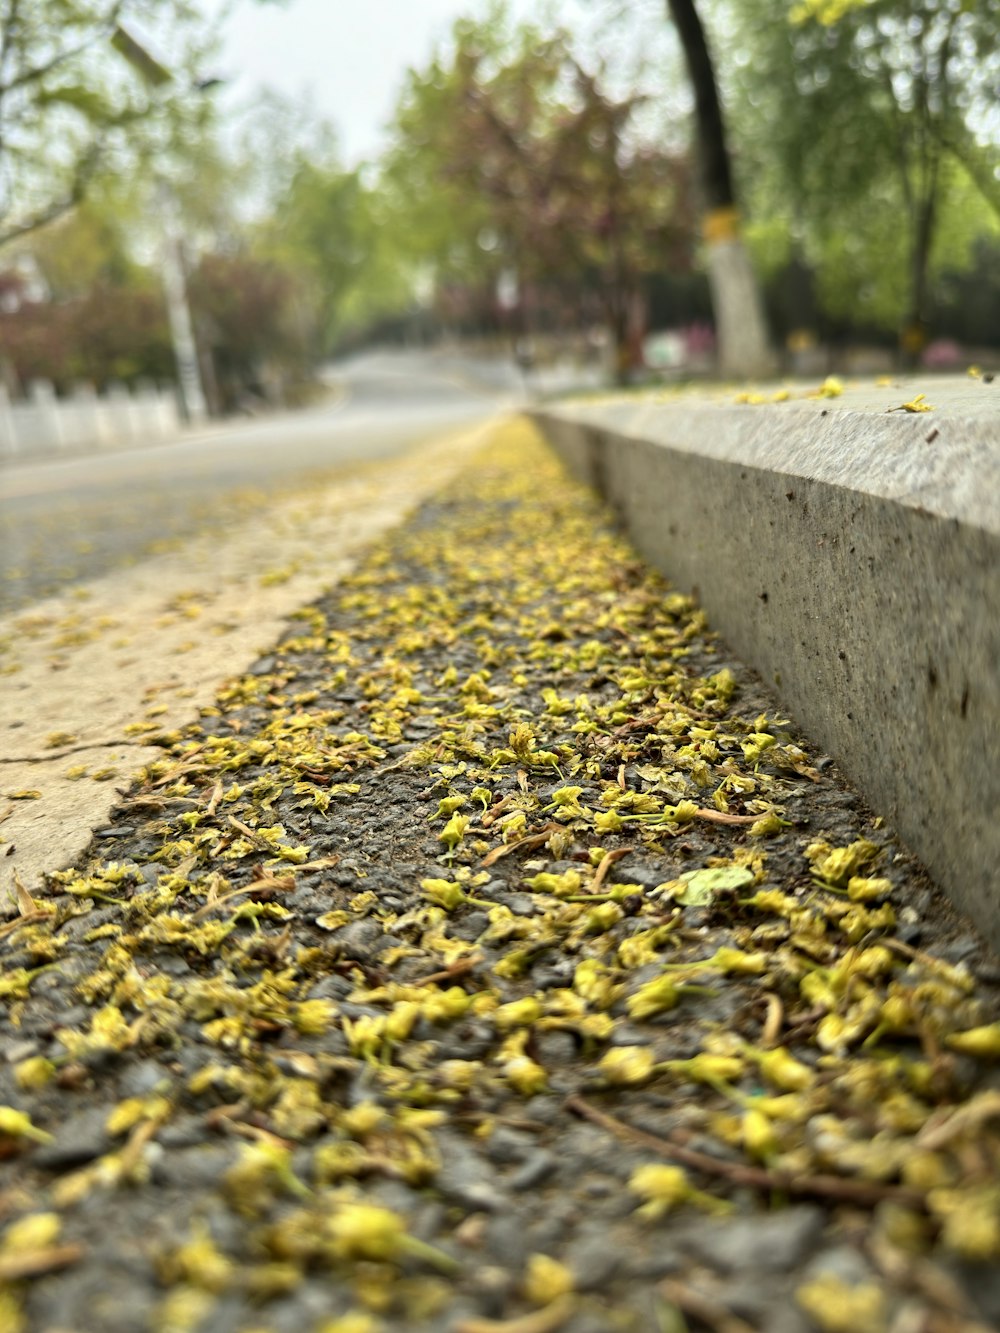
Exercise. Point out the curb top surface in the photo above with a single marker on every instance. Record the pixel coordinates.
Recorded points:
(945, 460)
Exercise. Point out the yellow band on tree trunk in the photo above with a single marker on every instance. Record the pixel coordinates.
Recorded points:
(721, 224)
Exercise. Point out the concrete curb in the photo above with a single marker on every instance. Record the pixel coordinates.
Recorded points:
(852, 557)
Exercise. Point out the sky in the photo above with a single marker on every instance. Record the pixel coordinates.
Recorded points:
(351, 57)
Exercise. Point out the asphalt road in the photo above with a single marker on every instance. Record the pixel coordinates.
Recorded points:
(67, 520)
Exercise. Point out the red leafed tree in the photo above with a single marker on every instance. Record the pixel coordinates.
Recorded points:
(575, 193)
(249, 323)
(108, 333)
(537, 154)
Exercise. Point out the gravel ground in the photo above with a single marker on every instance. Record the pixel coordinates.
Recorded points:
(494, 956)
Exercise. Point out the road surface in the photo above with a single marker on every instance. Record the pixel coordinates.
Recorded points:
(67, 520)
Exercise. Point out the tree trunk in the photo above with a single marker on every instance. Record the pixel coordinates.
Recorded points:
(626, 317)
(621, 349)
(914, 336)
(744, 350)
(743, 345)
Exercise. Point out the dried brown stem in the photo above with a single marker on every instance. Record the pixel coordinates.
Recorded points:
(607, 861)
(182, 769)
(522, 845)
(214, 800)
(324, 863)
(547, 1320)
(863, 1192)
(773, 1023)
(9, 927)
(33, 1263)
(704, 1308)
(494, 812)
(722, 817)
(456, 969)
(245, 829)
(945, 1125)
(155, 803)
(278, 883)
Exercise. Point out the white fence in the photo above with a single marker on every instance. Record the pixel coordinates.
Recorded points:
(85, 421)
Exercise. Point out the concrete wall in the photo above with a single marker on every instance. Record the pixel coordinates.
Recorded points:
(852, 557)
(44, 424)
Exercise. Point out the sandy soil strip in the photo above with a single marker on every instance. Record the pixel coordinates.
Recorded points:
(90, 673)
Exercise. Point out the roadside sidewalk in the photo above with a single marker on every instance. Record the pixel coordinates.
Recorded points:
(96, 679)
(493, 957)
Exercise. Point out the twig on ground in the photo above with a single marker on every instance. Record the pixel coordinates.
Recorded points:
(522, 845)
(948, 1123)
(607, 861)
(272, 883)
(214, 799)
(182, 769)
(156, 803)
(495, 811)
(246, 831)
(9, 927)
(456, 969)
(33, 1263)
(547, 1320)
(771, 1031)
(722, 817)
(705, 1308)
(866, 1193)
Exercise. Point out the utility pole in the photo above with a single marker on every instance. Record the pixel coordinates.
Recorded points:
(192, 394)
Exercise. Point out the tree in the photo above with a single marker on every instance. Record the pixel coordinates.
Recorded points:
(545, 173)
(444, 231)
(92, 311)
(744, 348)
(324, 227)
(111, 332)
(276, 193)
(866, 124)
(249, 332)
(69, 103)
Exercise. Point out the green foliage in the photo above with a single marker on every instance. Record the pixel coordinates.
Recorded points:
(71, 106)
(94, 312)
(860, 134)
(442, 226)
(246, 315)
(89, 247)
(860, 129)
(329, 226)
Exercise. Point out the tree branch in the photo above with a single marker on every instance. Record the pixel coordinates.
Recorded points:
(85, 169)
(40, 72)
(821, 1186)
(980, 172)
(9, 29)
